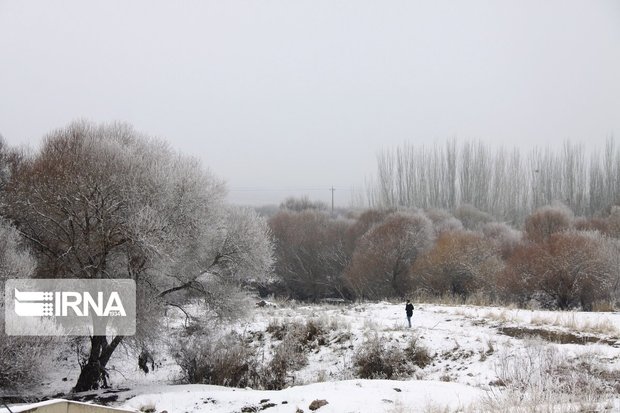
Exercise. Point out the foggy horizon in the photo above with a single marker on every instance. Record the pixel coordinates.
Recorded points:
(289, 98)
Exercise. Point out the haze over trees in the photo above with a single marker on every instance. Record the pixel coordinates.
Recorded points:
(497, 222)
(506, 183)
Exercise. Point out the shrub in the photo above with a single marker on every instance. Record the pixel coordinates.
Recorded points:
(417, 353)
(229, 361)
(277, 330)
(22, 361)
(225, 362)
(569, 269)
(288, 356)
(374, 360)
(309, 335)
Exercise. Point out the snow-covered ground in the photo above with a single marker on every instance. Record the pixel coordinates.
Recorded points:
(483, 358)
(341, 396)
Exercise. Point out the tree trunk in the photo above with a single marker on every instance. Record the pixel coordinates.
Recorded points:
(94, 374)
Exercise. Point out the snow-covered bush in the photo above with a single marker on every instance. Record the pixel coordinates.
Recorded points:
(227, 361)
(375, 360)
(309, 335)
(540, 375)
(291, 353)
(417, 353)
(22, 359)
(288, 356)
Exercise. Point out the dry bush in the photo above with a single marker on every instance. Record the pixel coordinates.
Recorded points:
(291, 353)
(288, 356)
(225, 362)
(230, 361)
(311, 334)
(517, 281)
(417, 353)
(277, 329)
(603, 306)
(23, 361)
(310, 253)
(471, 217)
(504, 237)
(375, 360)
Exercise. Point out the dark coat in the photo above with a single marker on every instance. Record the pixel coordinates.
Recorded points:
(409, 309)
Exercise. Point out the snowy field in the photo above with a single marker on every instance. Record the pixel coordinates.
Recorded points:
(480, 359)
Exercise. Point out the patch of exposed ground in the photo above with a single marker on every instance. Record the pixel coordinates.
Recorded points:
(560, 337)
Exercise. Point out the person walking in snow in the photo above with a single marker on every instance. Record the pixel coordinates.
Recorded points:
(409, 311)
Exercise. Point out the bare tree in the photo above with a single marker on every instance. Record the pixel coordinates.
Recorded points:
(545, 221)
(504, 183)
(568, 269)
(575, 272)
(380, 264)
(310, 253)
(459, 264)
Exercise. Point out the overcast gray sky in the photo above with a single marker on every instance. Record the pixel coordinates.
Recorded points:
(277, 96)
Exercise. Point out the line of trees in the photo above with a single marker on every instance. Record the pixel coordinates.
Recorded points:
(556, 261)
(508, 184)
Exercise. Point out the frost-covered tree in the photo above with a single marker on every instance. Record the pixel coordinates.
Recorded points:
(505, 183)
(103, 201)
(471, 217)
(443, 221)
(240, 252)
(504, 238)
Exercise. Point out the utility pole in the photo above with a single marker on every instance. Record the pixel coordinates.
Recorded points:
(333, 190)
